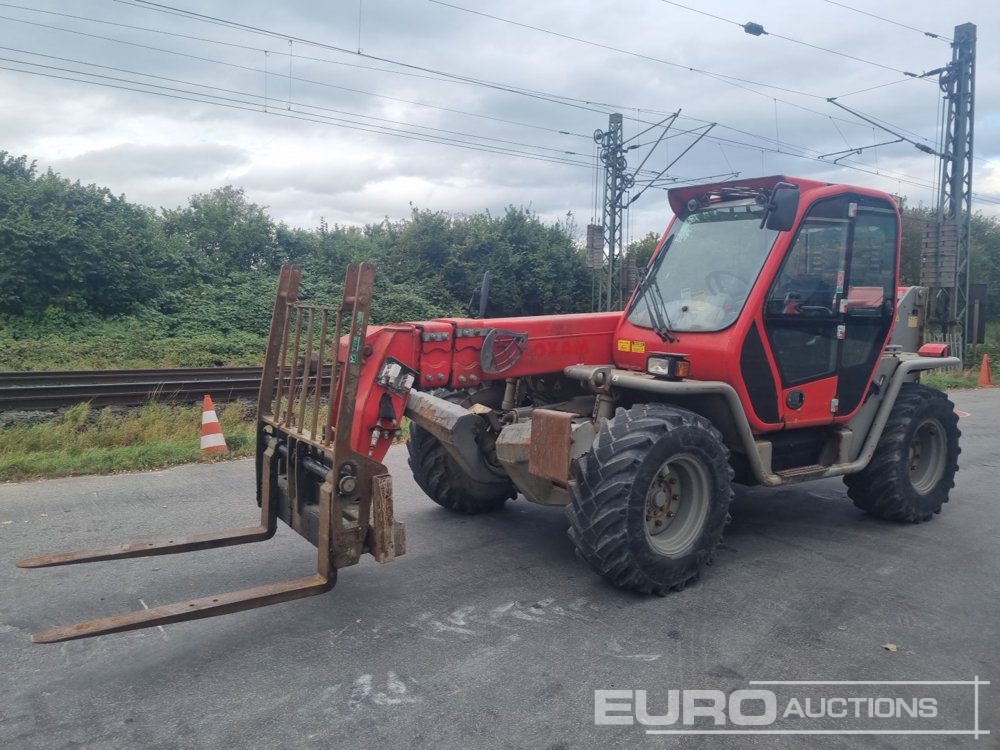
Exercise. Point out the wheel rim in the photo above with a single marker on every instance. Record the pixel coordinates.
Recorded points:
(677, 504)
(928, 451)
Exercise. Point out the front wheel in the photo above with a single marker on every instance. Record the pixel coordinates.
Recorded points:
(651, 498)
(913, 468)
(445, 481)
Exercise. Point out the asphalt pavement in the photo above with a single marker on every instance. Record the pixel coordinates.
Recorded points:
(490, 632)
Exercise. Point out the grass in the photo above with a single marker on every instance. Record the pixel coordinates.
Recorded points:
(946, 380)
(969, 377)
(105, 352)
(83, 441)
(61, 342)
(86, 441)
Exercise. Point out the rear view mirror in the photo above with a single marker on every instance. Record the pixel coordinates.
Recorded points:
(483, 296)
(782, 207)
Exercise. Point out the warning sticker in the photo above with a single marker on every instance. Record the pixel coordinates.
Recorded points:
(636, 347)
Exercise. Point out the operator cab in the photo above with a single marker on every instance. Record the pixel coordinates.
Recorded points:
(784, 288)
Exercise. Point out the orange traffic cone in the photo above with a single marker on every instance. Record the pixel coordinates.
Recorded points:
(985, 374)
(212, 439)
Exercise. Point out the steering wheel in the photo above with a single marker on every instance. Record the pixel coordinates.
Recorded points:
(721, 282)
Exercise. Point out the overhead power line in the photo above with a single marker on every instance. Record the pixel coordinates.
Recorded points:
(585, 104)
(579, 103)
(131, 27)
(137, 87)
(878, 86)
(874, 121)
(889, 20)
(631, 53)
(443, 75)
(738, 82)
(558, 99)
(265, 101)
(783, 148)
(262, 71)
(252, 103)
(758, 30)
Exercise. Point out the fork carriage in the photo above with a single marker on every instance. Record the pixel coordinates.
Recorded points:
(308, 472)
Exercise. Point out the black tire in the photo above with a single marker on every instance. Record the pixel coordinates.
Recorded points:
(913, 469)
(621, 491)
(446, 482)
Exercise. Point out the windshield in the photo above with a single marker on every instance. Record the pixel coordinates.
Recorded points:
(706, 270)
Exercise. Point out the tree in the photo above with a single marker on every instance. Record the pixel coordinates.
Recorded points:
(643, 249)
(71, 247)
(81, 249)
(547, 269)
(226, 232)
(984, 260)
(16, 167)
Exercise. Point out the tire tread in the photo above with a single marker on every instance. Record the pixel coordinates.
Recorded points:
(883, 488)
(604, 484)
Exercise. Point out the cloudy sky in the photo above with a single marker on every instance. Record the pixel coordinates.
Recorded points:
(354, 110)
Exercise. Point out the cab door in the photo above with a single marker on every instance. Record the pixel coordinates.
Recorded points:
(867, 300)
(829, 311)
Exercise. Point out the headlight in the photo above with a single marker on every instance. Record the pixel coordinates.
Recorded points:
(668, 367)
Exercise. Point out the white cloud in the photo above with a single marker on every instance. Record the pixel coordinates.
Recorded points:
(159, 150)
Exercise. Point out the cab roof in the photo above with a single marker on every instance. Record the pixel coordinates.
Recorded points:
(719, 192)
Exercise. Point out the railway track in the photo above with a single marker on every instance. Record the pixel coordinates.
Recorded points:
(48, 390)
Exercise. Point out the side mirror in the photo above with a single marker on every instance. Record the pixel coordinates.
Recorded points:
(483, 295)
(782, 207)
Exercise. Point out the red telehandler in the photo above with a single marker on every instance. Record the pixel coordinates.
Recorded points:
(768, 343)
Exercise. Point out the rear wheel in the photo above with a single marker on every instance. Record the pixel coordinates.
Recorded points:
(914, 465)
(445, 481)
(651, 498)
